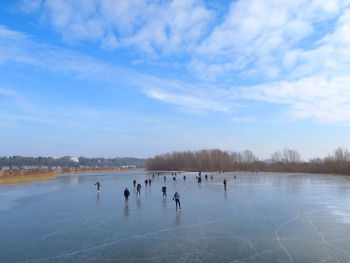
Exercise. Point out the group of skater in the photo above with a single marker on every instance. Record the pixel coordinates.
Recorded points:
(148, 182)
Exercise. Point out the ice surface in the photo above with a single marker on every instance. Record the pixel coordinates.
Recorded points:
(260, 218)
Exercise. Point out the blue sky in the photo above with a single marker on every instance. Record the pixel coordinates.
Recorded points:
(137, 78)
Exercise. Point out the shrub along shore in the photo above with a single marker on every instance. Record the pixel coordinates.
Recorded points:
(282, 161)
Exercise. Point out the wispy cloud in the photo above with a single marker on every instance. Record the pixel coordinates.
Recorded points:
(147, 25)
(255, 34)
(188, 102)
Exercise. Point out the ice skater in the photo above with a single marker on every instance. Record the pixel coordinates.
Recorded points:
(149, 182)
(174, 178)
(134, 182)
(138, 189)
(164, 191)
(177, 200)
(126, 194)
(225, 183)
(206, 177)
(98, 184)
(164, 178)
(184, 177)
(146, 182)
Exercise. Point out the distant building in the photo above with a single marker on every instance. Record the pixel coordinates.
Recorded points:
(74, 159)
(131, 166)
(29, 167)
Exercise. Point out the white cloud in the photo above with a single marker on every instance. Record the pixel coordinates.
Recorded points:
(20, 48)
(190, 102)
(30, 6)
(317, 98)
(317, 84)
(255, 34)
(145, 24)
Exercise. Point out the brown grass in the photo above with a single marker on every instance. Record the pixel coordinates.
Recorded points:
(26, 178)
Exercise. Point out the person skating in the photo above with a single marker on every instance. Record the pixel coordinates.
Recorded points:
(146, 182)
(134, 182)
(98, 185)
(126, 194)
(138, 189)
(225, 183)
(164, 191)
(177, 200)
(184, 177)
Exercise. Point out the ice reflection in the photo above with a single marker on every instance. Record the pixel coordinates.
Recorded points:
(126, 209)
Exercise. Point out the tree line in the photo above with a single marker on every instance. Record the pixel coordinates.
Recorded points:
(67, 161)
(288, 160)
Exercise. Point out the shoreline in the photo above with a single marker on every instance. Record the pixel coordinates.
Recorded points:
(35, 176)
(243, 171)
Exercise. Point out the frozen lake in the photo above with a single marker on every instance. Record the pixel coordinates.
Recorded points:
(260, 218)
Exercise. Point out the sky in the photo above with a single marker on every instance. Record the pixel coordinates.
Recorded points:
(115, 78)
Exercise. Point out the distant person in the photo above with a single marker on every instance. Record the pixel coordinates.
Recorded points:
(164, 178)
(206, 177)
(200, 173)
(225, 183)
(98, 185)
(199, 179)
(138, 189)
(184, 177)
(174, 178)
(164, 191)
(234, 177)
(134, 182)
(149, 182)
(211, 177)
(175, 174)
(177, 200)
(126, 194)
(152, 175)
(146, 182)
